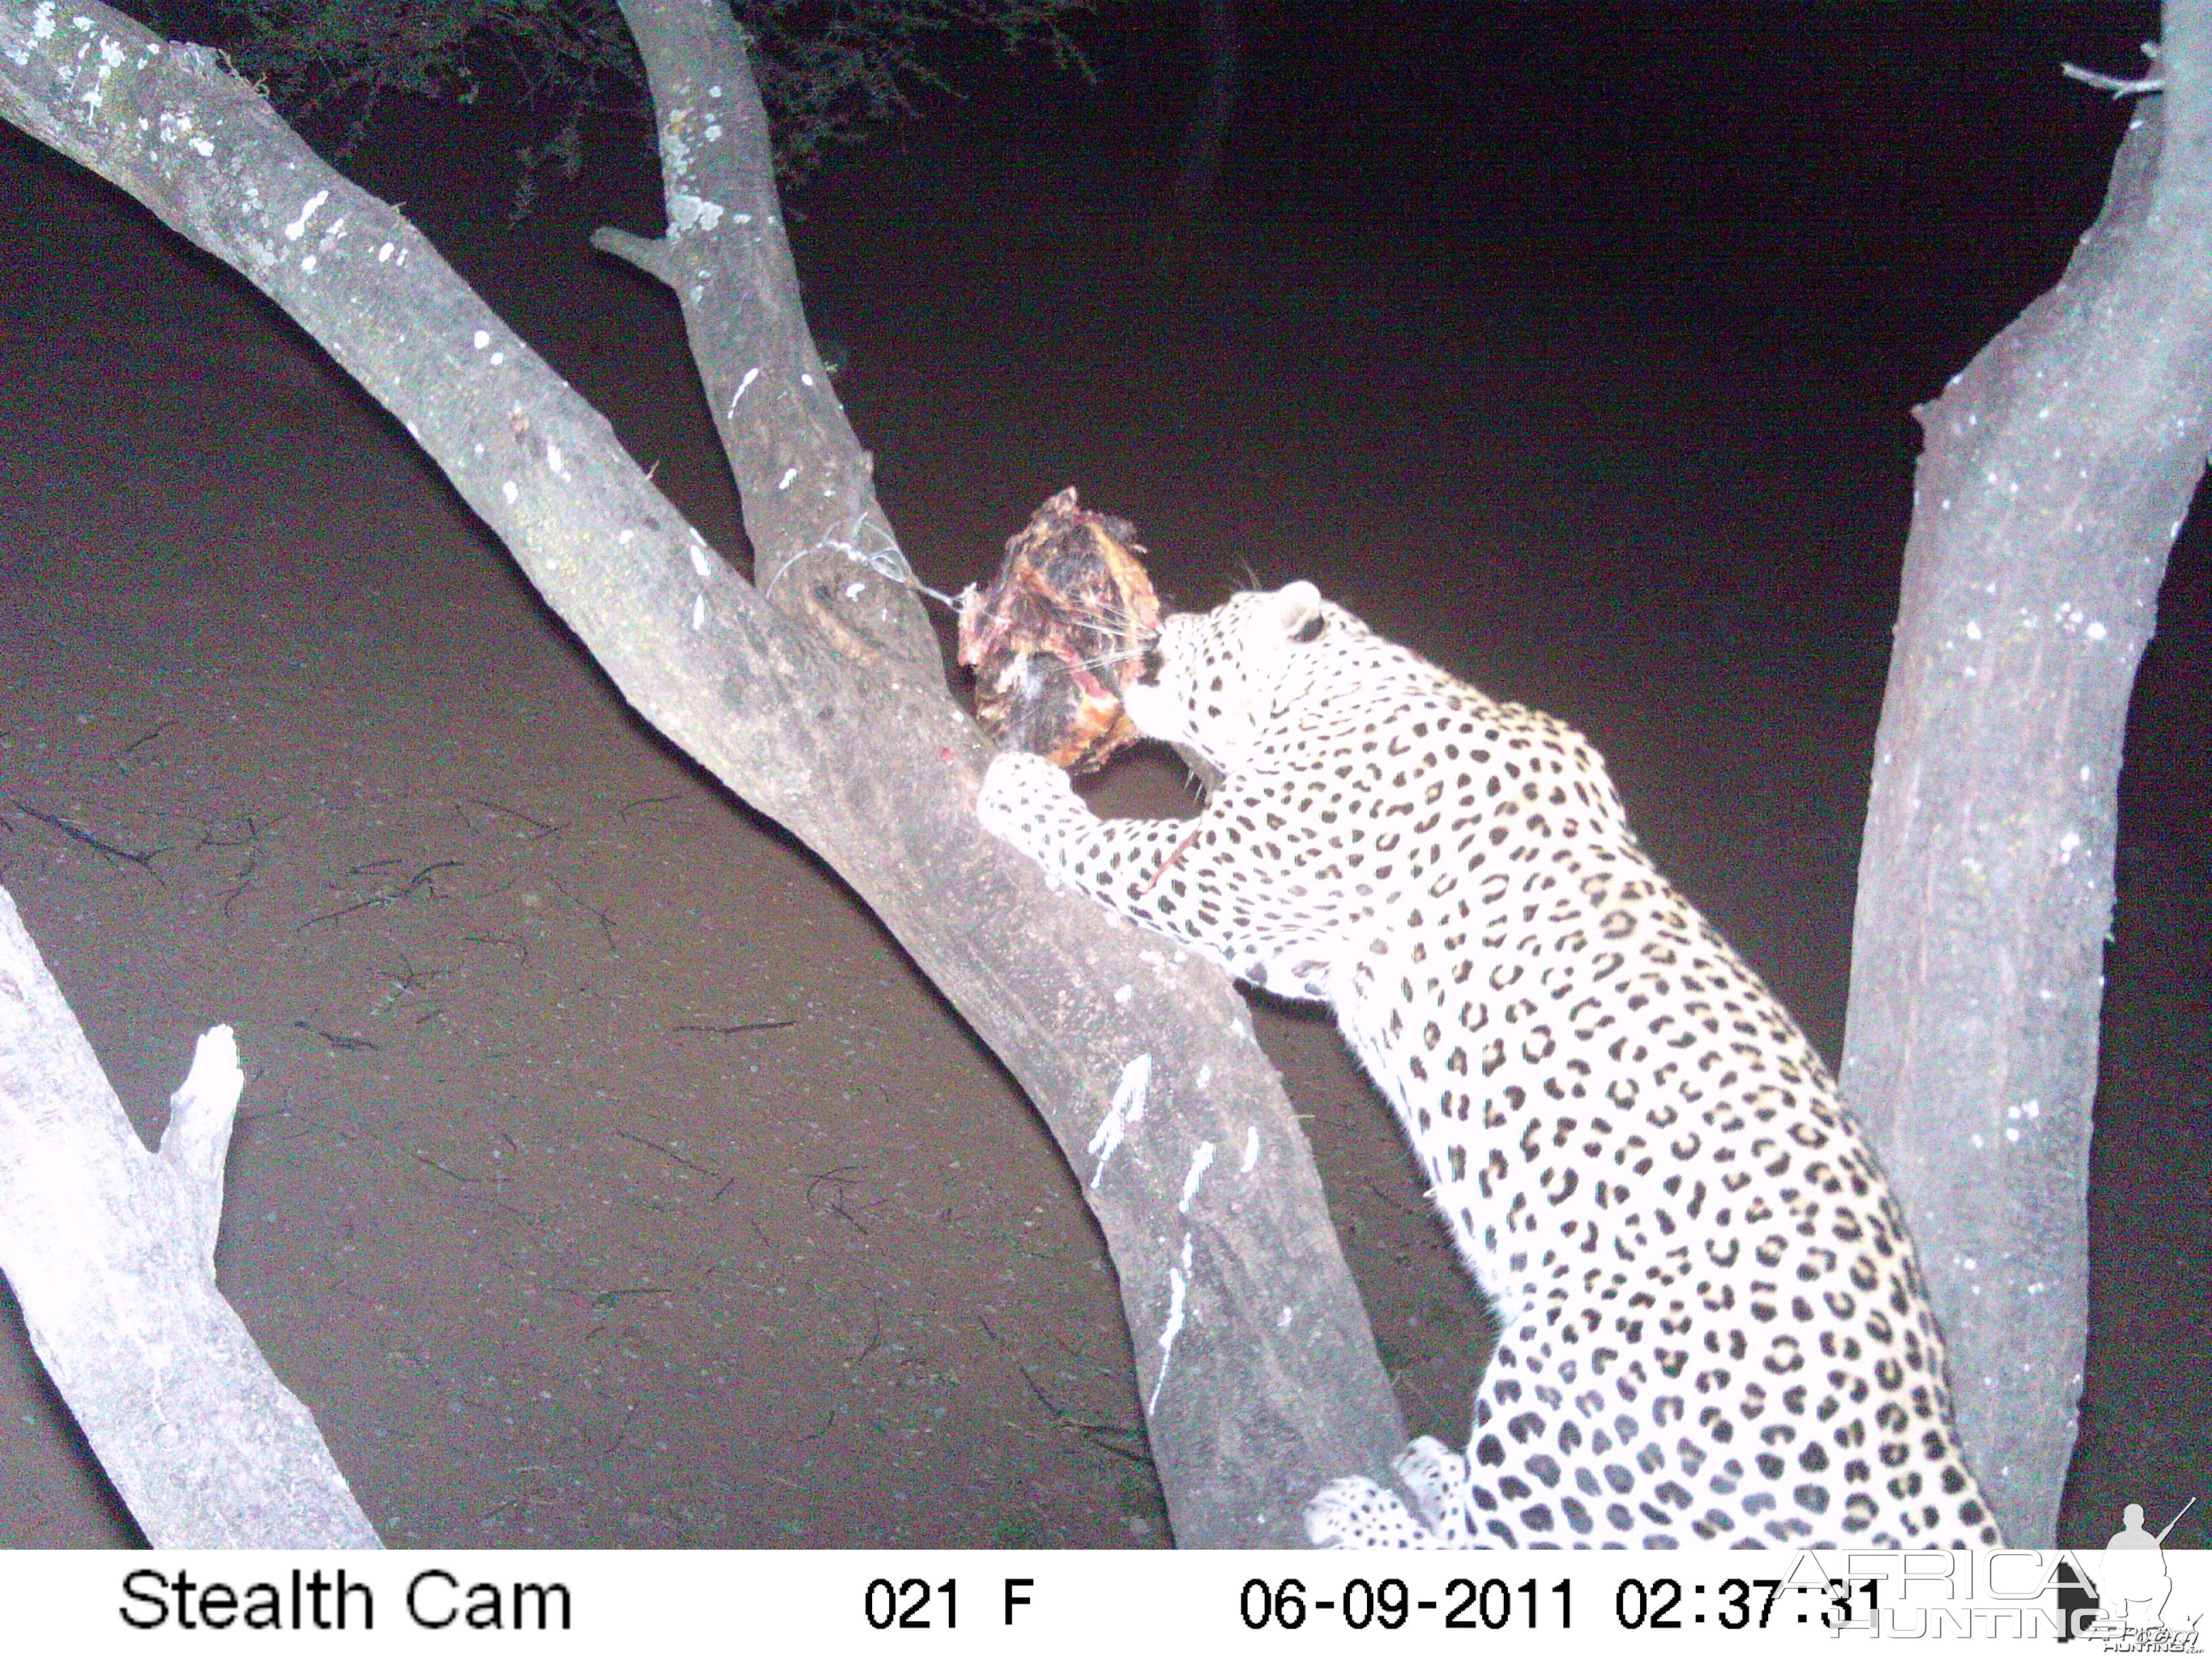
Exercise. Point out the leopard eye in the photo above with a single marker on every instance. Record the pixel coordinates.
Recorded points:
(1312, 629)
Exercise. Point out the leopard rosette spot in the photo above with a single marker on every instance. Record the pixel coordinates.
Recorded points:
(1712, 1327)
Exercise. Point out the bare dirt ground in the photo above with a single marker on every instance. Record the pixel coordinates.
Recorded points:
(606, 1175)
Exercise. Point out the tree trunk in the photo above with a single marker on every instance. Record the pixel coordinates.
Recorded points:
(111, 1252)
(1207, 133)
(2057, 472)
(818, 697)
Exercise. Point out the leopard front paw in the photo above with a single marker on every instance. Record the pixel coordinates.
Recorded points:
(1022, 795)
(1438, 1477)
(1356, 1514)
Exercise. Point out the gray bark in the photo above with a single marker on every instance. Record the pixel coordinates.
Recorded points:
(818, 697)
(2056, 470)
(110, 1250)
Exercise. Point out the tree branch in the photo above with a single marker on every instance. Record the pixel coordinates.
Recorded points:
(820, 701)
(2118, 86)
(111, 1252)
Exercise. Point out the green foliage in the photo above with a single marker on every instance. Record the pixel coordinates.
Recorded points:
(827, 69)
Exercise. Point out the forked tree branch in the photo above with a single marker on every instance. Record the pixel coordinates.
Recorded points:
(110, 1250)
(816, 698)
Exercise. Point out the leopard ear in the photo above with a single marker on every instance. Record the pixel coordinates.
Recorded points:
(1298, 612)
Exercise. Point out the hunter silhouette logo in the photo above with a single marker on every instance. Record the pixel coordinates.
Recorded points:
(2124, 1599)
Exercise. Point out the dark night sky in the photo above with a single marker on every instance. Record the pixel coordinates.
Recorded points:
(1923, 151)
(1634, 145)
(1631, 99)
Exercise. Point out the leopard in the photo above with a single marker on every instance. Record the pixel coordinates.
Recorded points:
(1712, 1327)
